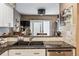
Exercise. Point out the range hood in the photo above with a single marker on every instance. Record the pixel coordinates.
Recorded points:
(41, 11)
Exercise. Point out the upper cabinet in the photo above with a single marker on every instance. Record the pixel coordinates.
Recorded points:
(6, 15)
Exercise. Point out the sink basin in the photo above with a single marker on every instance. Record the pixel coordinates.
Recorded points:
(36, 43)
(20, 43)
(27, 43)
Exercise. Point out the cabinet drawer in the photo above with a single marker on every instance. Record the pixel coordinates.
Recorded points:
(60, 53)
(56, 54)
(35, 52)
(16, 52)
(27, 52)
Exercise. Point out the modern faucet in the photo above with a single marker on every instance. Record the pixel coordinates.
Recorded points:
(30, 40)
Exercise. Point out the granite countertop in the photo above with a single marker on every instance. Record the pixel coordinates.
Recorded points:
(58, 45)
(47, 45)
(5, 36)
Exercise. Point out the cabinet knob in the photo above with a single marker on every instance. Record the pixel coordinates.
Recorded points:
(59, 52)
(18, 53)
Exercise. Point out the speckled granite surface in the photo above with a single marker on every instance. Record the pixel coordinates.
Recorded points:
(47, 45)
(28, 36)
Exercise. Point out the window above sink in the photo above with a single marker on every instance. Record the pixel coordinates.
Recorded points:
(40, 27)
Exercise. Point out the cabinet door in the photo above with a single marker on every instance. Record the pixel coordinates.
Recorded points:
(8, 19)
(1, 15)
(16, 52)
(60, 53)
(27, 52)
(56, 54)
(6, 15)
(68, 53)
(35, 52)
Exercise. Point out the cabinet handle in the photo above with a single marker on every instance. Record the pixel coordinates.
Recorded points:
(36, 53)
(18, 53)
(59, 52)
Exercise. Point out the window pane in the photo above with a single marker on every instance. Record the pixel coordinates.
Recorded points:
(46, 27)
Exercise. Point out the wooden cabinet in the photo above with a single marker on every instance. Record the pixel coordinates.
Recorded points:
(77, 31)
(55, 54)
(60, 53)
(38, 52)
(27, 52)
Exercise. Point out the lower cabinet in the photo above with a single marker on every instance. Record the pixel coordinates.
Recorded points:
(60, 53)
(27, 52)
(38, 52)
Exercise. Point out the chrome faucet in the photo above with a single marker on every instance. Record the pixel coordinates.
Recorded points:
(30, 40)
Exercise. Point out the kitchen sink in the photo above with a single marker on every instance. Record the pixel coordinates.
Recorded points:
(36, 43)
(21, 43)
(27, 43)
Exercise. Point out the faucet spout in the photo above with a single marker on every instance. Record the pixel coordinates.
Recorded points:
(30, 40)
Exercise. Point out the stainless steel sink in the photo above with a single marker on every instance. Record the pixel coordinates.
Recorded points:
(20, 43)
(27, 43)
(36, 43)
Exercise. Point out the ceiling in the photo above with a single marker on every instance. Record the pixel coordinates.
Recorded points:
(32, 8)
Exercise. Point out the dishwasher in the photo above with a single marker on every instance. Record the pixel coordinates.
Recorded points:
(59, 52)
